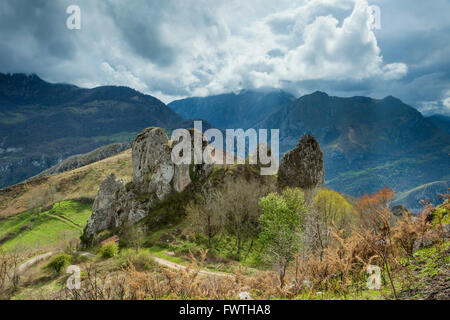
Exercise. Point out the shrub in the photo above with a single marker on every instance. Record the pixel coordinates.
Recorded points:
(141, 260)
(109, 250)
(58, 262)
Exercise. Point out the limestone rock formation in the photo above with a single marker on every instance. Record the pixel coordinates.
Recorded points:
(153, 169)
(104, 204)
(302, 167)
(155, 177)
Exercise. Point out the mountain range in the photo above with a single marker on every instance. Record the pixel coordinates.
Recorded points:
(367, 143)
(42, 123)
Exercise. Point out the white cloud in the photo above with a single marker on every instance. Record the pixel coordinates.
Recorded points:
(395, 71)
(229, 54)
(446, 103)
(200, 47)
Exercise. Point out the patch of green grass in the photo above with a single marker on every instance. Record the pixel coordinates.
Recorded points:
(428, 261)
(161, 253)
(34, 230)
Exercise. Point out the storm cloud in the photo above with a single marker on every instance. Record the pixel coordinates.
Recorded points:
(173, 48)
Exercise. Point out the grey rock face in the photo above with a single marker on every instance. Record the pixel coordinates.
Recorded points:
(153, 169)
(302, 167)
(104, 205)
(155, 177)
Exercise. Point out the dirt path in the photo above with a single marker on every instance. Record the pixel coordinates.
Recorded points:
(176, 266)
(166, 263)
(25, 266)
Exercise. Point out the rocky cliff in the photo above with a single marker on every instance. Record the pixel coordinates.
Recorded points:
(302, 167)
(155, 177)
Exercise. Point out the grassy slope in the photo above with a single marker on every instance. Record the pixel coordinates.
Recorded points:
(79, 183)
(33, 230)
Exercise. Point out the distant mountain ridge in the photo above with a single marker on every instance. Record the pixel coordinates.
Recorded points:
(367, 143)
(233, 110)
(82, 160)
(441, 122)
(42, 123)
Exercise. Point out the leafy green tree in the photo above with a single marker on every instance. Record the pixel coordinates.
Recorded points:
(282, 223)
(334, 208)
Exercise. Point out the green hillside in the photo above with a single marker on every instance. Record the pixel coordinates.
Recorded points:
(37, 229)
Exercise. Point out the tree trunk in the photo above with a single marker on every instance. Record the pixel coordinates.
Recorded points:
(209, 241)
(239, 246)
(282, 275)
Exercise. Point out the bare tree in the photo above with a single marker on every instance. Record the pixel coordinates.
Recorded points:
(9, 270)
(133, 236)
(205, 216)
(239, 201)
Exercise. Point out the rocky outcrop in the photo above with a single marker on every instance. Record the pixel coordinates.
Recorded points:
(104, 205)
(302, 167)
(153, 169)
(155, 177)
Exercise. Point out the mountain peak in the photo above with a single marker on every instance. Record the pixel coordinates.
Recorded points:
(21, 77)
(391, 98)
(319, 94)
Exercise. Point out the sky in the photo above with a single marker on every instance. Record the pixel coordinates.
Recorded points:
(178, 48)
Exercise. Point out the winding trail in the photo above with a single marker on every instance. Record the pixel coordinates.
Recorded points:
(176, 266)
(28, 264)
(163, 262)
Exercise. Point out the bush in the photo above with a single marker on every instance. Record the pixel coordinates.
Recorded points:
(58, 262)
(109, 250)
(141, 260)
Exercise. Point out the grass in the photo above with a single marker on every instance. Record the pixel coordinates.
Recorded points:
(161, 253)
(79, 183)
(35, 230)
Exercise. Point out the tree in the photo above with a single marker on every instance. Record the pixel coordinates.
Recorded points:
(374, 209)
(9, 270)
(330, 209)
(133, 236)
(205, 217)
(37, 201)
(376, 216)
(54, 194)
(239, 201)
(282, 222)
